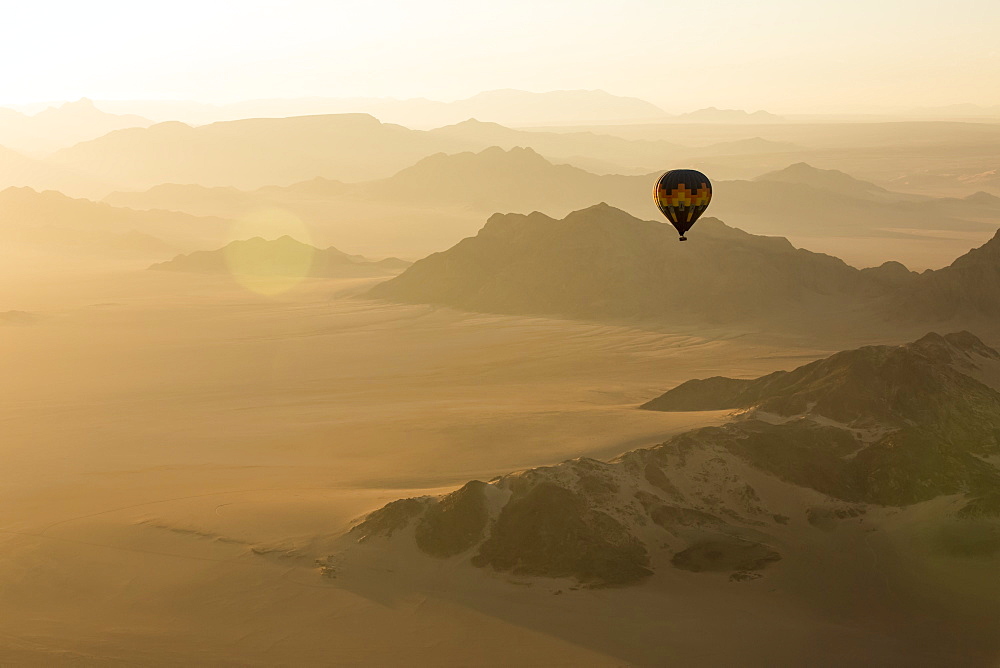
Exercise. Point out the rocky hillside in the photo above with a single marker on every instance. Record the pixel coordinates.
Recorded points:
(888, 385)
(827, 443)
(921, 419)
(967, 289)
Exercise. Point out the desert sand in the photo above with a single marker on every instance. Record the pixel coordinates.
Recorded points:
(178, 452)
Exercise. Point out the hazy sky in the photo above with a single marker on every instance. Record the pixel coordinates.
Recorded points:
(782, 55)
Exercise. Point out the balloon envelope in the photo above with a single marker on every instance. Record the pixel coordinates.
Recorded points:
(682, 195)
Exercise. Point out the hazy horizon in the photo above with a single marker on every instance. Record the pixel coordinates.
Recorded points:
(778, 55)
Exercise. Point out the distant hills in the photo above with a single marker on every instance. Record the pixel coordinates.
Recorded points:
(514, 179)
(972, 176)
(58, 127)
(714, 115)
(51, 220)
(803, 201)
(825, 179)
(506, 106)
(800, 200)
(252, 153)
(966, 290)
(18, 170)
(615, 153)
(518, 107)
(514, 107)
(279, 149)
(518, 179)
(284, 256)
(807, 468)
(601, 263)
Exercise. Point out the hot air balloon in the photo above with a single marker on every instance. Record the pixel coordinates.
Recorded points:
(682, 196)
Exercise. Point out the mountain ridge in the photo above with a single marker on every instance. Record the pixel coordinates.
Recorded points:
(728, 498)
(601, 263)
(284, 256)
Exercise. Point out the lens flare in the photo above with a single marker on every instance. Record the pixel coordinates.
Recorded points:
(271, 252)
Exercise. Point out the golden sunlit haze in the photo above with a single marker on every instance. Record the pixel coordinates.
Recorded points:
(783, 55)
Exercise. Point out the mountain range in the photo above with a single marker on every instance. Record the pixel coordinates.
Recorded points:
(21, 171)
(257, 152)
(252, 153)
(284, 256)
(58, 127)
(800, 201)
(516, 107)
(603, 264)
(714, 115)
(816, 459)
(52, 221)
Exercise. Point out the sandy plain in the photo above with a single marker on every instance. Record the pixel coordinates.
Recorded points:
(179, 451)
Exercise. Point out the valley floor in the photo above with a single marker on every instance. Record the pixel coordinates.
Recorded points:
(178, 452)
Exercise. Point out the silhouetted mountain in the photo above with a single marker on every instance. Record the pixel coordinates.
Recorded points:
(227, 202)
(518, 179)
(983, 199)
(800, 201)
(281, 257)
(961, 178)
(20, 171)
(522, 107)
(824, 179)
(58, 127)
(254, 152)
(505, 106)
(890, 274)
(54, 220)
(618, 153)
(601, 263)
(804, 201)
(714, 115)
(967, 289)
(815, 447)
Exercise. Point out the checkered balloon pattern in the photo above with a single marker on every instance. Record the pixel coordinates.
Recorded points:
(682, 195)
